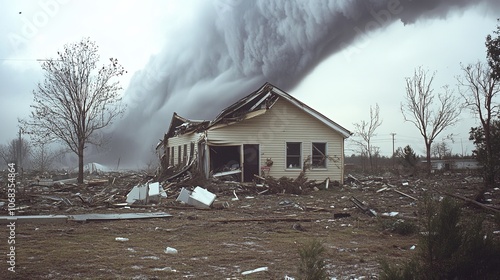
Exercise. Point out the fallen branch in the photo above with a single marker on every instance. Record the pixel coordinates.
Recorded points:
(471, 201)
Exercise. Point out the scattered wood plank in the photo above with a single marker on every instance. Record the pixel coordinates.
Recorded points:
(259, 177)
(97, 182)
(363, 207)
(274, 219)
(404, 194)
(382, 189)
(316, 209)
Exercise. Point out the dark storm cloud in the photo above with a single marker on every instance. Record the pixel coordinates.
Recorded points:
(229, 48)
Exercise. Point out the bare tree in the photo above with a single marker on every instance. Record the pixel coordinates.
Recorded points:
(77, 99)
(16, 150)
(441, 150)
(479, 89)
(366, 131)
(43, 157)
(420, 110)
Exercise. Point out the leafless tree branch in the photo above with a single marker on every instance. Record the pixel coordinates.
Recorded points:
(418, 108)
(76, 99)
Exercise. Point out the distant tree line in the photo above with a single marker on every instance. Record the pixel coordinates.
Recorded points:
(31, 155)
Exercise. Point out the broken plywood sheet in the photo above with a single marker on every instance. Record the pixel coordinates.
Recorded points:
(156, 190)
(199, 197)
(226, 173)
(144, 192)
(121, 216)
(34, 219)
(137, 193)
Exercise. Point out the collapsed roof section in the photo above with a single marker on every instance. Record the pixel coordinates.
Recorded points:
(255, 104)
(180, 125)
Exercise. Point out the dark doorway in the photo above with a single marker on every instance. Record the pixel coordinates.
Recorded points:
(224, 158)
(251, 157)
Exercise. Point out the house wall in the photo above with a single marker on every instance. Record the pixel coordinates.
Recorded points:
(284, 123)
(179, 141)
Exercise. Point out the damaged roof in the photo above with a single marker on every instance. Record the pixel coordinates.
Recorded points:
(250, 106)
(180, 125)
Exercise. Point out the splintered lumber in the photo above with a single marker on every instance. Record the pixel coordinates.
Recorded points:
(259, 177)
(407, 195)
(97, 182)
(276, 219)
(359, 204)
(363, 207)
(479, 204)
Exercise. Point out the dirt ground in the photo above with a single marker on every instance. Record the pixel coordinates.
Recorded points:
(255, 231)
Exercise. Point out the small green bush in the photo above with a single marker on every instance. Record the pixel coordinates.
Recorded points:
(452, 247)
(312, 263)
(404, 227)
(399, 226)
(407, 271)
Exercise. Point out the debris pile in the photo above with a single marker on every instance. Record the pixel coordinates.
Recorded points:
(286, 208)
(56, 193)
(59, 193)
(299, 185)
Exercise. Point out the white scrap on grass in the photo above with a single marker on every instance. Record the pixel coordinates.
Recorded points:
(235, 196)
(170, 250)
(264, 268)
(167, 268)
(390, 214)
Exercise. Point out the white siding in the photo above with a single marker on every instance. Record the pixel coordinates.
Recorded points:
(179, 142)
(285, 123)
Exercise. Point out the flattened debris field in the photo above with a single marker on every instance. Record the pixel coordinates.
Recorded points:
(218, 229)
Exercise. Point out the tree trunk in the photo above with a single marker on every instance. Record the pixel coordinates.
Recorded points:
(80, 164)
(489, 180)
(428, 156)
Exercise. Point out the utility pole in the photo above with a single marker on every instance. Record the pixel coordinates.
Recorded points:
(393, 134)
(19, 153)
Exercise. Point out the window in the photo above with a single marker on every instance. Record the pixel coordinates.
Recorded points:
(167, 155)
(179, 155)
(191, 151)
(319, 155)
(293, 155)
(184, 156)
(172, 162)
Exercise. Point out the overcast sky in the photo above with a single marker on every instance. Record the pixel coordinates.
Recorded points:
(196, 57)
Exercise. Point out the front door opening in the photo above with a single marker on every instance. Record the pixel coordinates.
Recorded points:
(251, 160)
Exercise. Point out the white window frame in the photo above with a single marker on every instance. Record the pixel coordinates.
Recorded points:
(300, 155)
(326, 154)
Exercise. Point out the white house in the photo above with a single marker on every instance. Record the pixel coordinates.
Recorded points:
(267, 133)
